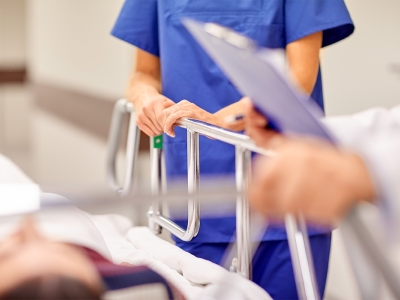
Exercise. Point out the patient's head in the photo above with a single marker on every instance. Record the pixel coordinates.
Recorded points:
(32, 266)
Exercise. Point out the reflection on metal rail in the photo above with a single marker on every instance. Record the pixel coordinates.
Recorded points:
(121, 108)
(295, 227)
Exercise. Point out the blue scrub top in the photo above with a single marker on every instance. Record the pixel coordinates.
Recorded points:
(188, 73)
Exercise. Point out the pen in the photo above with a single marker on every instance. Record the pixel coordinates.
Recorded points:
(234, 118)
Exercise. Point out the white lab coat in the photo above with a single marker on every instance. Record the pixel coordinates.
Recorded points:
(375, 135)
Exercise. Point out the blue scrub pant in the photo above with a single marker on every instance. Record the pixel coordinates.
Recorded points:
(272, 266)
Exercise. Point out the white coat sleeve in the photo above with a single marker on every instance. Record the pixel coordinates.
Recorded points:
(375, 135)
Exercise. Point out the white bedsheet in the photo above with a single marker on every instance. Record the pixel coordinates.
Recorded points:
(18, 193)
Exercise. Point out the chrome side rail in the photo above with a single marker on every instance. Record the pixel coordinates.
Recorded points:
(296, 229)
(243, 223)
(156, 218)
(295, 226)
(302, 261)
(121, 108)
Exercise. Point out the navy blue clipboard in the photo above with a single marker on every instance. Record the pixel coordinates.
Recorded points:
(256, 74)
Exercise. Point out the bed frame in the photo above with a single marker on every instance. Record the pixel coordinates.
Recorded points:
(295, 226)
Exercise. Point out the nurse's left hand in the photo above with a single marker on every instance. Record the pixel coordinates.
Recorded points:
(185, 109)
(255, 127)
(310, 177)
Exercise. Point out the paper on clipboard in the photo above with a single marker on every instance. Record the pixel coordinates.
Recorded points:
(254, 71)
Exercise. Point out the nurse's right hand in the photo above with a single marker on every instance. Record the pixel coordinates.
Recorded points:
(149, 106)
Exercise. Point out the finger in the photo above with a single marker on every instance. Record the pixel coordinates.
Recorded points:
(247, 105)
(156, 114)
(153, 127)
(168, 103)
(168, 112)
(141, 122)
(260, 136)
(172, 119)
(148, 118)
(257, 119)
(157, 121)
(147, 130)
(173, 108)
(175, 117)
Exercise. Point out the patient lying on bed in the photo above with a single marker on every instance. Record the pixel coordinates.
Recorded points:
(33, 266)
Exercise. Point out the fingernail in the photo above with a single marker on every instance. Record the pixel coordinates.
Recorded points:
(171, 134)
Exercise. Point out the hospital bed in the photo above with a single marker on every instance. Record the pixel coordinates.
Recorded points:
(295, 226)
(355, 230)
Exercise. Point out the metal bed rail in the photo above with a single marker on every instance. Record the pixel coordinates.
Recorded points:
(122, 108)
(295, 227)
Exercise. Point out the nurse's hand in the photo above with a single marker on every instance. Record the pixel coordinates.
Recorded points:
(149, 108)
(255, 127)
(185, 109)
(311, 177)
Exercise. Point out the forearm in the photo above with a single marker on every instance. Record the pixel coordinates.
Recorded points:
(303, 60)
(142, 86)
(145, 79)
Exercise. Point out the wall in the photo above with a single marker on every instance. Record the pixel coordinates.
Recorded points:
(70, 46)
(12, 33)
(364, 70)
(14, 101)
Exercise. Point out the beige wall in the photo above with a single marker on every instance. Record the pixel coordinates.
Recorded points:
(70, 45)
(12, 33)
(358, 72)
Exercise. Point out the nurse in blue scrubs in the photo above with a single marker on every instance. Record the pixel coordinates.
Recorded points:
(171, 66)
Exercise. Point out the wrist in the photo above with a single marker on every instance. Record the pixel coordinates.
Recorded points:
(142, 93)
(217, 120)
